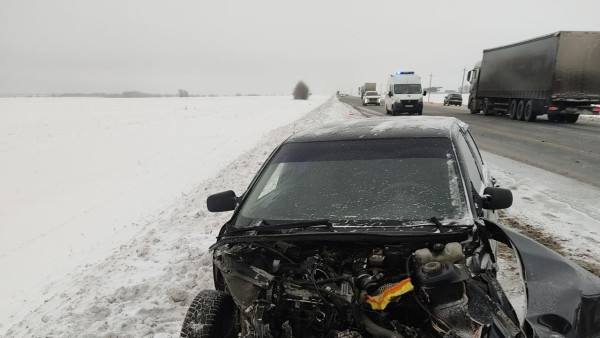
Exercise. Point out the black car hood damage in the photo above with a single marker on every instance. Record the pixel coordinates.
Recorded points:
(562, 297)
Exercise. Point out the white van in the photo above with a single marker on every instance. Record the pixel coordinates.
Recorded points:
(403, 94)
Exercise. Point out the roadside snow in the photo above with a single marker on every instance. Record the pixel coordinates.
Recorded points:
(144, 287)
(561, 208)
(78, 175)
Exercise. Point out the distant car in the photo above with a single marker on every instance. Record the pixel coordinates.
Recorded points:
(371, 98)
(453, 99)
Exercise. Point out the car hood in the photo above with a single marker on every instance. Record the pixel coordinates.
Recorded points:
(562, 297)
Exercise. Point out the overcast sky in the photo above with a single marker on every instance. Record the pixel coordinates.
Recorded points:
(263, 47)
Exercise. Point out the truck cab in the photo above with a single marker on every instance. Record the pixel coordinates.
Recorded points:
(404, 94)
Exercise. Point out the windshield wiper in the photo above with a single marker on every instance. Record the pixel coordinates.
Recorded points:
(263, 226)
(439, 224)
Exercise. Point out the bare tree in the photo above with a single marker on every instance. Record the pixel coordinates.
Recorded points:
(301, 91)
(182, 93)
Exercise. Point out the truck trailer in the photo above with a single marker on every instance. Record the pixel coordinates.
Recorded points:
(556, 74)
(367, 87)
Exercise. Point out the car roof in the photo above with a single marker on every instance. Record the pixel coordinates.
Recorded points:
(380, 128)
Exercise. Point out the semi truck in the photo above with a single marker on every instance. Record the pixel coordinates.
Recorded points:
(556, 74)
(367, 87)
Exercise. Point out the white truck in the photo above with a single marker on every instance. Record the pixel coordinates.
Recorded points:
(404, 94)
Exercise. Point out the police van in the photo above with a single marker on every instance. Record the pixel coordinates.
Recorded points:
(404, 94)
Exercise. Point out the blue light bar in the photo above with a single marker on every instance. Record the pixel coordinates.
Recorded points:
(402, 73)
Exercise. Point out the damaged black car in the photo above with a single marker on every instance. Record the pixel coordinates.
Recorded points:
(381, 228)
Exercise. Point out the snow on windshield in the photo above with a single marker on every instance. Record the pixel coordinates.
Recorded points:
(401, 180)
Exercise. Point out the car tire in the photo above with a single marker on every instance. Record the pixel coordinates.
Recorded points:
(520, 111)
(211, 315)
(529, 115)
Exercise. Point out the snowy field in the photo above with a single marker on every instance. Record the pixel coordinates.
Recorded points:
(103, 205)
(79, 175)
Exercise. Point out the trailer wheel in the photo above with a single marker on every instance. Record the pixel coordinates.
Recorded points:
(529, 114)
(512, 110)
(472, 108)
(520, 110)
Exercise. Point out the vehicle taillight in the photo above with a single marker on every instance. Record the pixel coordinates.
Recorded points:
(596, 110)
(553, 108)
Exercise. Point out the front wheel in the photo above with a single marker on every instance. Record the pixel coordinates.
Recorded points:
(472, 108)
(211, 315)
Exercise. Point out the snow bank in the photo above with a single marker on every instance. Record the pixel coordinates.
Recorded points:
(78, 175)
(559, 207)
(144, 287)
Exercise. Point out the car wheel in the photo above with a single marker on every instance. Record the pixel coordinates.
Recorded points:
(529, 114)
(520, 110)
(512, 110)
(211, 315)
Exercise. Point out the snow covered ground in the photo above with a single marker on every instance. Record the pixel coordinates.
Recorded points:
(78, 175)
(138, 271)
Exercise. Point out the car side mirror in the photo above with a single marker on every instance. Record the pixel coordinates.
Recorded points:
(223, 201)
(390, 93)
(496, 198)
(424, 92)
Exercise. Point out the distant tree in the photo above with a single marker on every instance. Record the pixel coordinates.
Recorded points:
(182, 93)
(301, 91)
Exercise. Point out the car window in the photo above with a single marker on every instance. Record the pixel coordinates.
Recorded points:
(407, 88)
(403, 180)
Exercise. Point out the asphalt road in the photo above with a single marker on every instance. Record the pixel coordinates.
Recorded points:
(568, 149)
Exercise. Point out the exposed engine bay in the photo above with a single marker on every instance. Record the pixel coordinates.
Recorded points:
(353, 289)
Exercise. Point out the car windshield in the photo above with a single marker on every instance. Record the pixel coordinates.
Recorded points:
(371, 93)
(407, 89)
(403, 181)
(455, 96)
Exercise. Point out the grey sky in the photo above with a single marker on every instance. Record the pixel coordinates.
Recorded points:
(264, 47)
